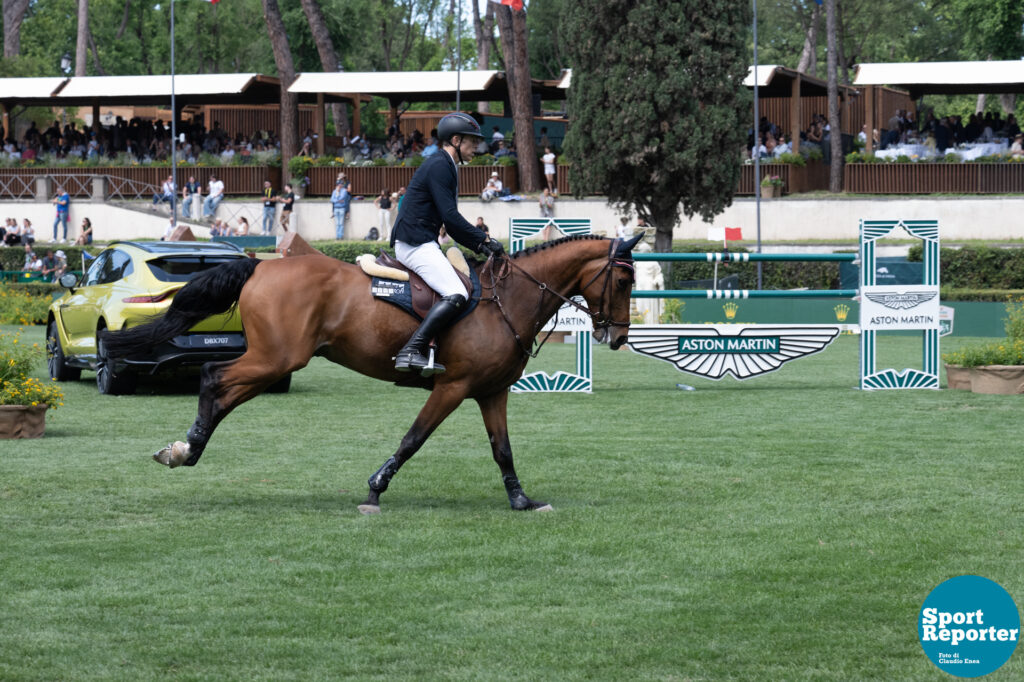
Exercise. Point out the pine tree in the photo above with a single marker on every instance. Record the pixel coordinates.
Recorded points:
(659, 113)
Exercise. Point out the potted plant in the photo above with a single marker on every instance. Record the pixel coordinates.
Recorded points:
(23, 399)
(771, 186)
(996, 367)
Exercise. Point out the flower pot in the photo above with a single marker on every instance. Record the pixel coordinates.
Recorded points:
(998, 379)
(770, 191)
(958, 378)
(22, 421)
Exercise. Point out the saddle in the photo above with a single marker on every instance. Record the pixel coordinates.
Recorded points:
(393, 282)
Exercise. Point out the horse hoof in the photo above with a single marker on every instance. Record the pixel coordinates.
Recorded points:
(545, 508)
(174, 455)
(368, 509)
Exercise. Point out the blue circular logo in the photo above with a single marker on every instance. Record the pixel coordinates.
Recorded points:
(969, 626)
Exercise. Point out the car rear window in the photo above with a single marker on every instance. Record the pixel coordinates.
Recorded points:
(183, 268)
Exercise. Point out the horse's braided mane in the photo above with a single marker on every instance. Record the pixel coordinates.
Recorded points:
(555, 242)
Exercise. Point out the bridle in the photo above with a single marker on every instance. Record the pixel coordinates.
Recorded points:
(600, 319)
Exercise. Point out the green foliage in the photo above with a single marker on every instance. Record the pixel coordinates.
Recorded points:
(672, 311)
(775, 275)
(14, 259)
(983, 295)
(484, 160)
(18, 306)
(298, 166)
(18, 360)
(658, 114)
(790, 158)
(979, 267)
(1002, 352)
(507, 161)
(772, 181)
(1015, 318)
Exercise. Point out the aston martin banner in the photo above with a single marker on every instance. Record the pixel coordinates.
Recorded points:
(899, 306)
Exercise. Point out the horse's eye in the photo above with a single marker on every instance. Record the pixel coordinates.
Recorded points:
(622, 283)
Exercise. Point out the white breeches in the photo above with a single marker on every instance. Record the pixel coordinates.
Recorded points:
(427, 261)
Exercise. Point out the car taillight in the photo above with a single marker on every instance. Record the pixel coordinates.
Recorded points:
(150, 299)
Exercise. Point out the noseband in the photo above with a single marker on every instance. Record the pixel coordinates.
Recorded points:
(599, 319)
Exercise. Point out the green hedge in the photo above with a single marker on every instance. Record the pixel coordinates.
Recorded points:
(775, 275)
(979, 267)
(13, 257)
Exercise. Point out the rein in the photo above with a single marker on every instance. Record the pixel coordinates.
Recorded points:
(599, 319)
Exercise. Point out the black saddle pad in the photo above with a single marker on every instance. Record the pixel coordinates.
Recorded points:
(399, 293)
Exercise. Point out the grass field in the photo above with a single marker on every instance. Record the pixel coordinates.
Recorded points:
(785, 528)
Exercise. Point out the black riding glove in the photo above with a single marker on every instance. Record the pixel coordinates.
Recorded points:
(491, 247)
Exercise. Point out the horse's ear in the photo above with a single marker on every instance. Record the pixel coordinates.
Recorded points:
(627, 246)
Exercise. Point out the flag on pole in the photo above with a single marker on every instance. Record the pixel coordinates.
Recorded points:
(514, 4)
(213, 2)
(733, 234)
(716, 234)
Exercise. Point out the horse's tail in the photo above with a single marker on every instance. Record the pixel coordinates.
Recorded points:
(211, 292)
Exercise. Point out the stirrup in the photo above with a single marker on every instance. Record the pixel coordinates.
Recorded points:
(414, 361)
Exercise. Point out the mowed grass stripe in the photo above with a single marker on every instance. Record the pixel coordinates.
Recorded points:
(786, 527)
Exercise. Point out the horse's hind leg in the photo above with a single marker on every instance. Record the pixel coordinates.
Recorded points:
(495, 412)
(442, 402)
(223, 386)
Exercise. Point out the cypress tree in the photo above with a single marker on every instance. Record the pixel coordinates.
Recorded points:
(658, 110)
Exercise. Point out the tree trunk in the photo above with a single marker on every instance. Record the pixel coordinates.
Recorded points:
(484, 31)
(844, 71)
(96, 57)
(289, 133)
(14, 14)
(512, 25)
(1008, 102)
(979, 107)
(835, 182)
(809, 57)
(328, 57)
(82, 41)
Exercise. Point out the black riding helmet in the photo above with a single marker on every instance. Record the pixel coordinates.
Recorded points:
(458, 124)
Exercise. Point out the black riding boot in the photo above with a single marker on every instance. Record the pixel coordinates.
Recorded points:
(412, 358)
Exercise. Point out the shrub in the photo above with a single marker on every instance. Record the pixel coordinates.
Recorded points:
(978, 267)
(17, 360)
(1008, 351)
(484, 160)
(298, 166)
(21, 307)
(790, 158)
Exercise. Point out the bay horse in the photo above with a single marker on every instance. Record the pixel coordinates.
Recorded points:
(298, 307)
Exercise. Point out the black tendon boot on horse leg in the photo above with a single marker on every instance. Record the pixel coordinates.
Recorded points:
(412, 357)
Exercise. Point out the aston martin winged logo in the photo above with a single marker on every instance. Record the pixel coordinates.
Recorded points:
(712, 351)
(902, 300)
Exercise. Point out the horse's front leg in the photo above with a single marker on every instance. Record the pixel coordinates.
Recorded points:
(442, 402)
(495, 411)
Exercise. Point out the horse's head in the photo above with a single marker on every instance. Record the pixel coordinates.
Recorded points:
(606, 284)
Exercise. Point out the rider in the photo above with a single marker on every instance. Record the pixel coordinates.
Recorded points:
(430, 201)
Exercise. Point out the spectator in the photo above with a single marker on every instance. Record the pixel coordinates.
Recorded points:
(496, 137)
(49, 266)
(214, 197)
(549, 168)
(287, 201)
(32, 261)
(430, 149)
(547, 204)
(269, 207)
(483, 226)
(13, 236)
(544, 141)
(493, 187)
(340, 200)
(502, 150)
(28, 233)
(85, 238)
(169, 230)
(623, 231)
(383, 204)
(1017, 148)
(189, 193)
(401, 195)
(62, 265)
(166, 193)
(242, 230)
(63, 202)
